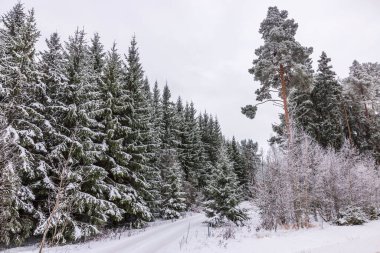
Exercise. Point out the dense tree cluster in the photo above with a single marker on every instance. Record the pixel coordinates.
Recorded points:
(327, 159)
(87, 144)
(327, 109)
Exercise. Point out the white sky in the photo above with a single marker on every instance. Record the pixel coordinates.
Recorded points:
(204, 48)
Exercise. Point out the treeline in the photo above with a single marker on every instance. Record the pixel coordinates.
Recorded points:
(324, 155)
(86, 144)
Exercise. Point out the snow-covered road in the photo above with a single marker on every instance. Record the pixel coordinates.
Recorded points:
(189, 235)
(155, 239)
(160, 238)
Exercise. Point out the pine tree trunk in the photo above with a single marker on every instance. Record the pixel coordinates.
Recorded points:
(283, 94)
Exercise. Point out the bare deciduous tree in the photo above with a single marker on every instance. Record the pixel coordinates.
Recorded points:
(55, 223)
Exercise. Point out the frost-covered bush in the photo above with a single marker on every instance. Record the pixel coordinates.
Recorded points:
(285, 183)
(351, 216)
(302, 180)
(345, 179)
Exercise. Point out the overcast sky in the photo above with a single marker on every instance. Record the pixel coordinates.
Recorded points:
(203, 49)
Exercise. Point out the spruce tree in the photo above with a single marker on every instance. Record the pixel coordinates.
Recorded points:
(238, 166)
(182, 136)
(157, 115)
(221, 193)
(114, 110)
(303, 111)
(190, 151)
(90, 210)
(153, 175)
(51, 68)
(251, 159)
(194, 149)
(10, 184)
(203, 148)
(327, 95)
(172, 193)
(216, 139)
(21, 104)
(172, 190)
(140, 135)
(168, 132)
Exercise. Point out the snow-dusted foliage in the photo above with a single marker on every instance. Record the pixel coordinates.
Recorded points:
(351, 216)
(304, 179)
(362, 101)
(364, 81)
(282, 62)
(326, 97)
(172, 194)
(223, 193)
(21, 105)
(9, 186)
(85, 144)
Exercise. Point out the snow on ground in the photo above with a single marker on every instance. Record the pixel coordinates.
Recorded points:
(191, 235)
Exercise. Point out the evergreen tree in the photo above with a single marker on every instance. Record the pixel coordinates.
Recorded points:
(361, 105)
(212, 141)
(114, 110)
(9, 187)
(211, 137)
(194, 149)
(216, 139)
(191, 153)
(251, 159)
(238, 165)
(326, 95)
(157, 115)
(51, 68)
(356, 127)
(183, 138)
(282, 62)
(140, 136)
(302, 111)
(153, 175)
(21, 104)
(90, 210)
(361, 82)
(172, 194)
(221, 193)
(168, 132)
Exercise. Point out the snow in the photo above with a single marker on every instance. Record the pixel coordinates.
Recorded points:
(190, 234)
(77, 232)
